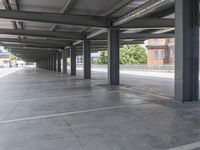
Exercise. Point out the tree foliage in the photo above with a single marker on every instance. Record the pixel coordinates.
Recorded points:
(129, 54)
(103, 58)
(133, 54)
(12, 57)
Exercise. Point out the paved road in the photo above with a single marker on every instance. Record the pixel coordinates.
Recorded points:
(6, 71)
(157, 83)
(44, 110)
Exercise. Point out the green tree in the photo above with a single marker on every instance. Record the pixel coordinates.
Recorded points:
(129, 54)
(103, 58)
(12, 57)
(133, 54)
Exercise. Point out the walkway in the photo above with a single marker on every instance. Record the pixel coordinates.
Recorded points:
(6, 71)
(43, 110)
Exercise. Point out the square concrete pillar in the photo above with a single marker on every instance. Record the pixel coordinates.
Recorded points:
(59, 61)
(73, 60)
(187, 50)
(64, 56)
(113, 56)
(51, 62)
(46, 64)
(54, 62)
(86, 59)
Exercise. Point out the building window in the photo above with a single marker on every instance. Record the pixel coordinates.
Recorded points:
(79, 59)
(162, 54)
(155, 54)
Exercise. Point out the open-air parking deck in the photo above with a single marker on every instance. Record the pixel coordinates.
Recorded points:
(48, 108)
(44, 110)
(46, 32)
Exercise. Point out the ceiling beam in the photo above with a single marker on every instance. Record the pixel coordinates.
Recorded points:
(43, 33)
(96, 33)
(64, 10)
(98, 43)
(27, 49)
(93, 44)
(144, 35)
(139, 23)
(77, 35)
(32, 55)
(104, 42)
(146, 8)
(127, 36)
(149, 23)
(7, 6)
(32, 45)
(77, 42)
(37, 41)
(135, 13)
(115, 8)
(56, 18)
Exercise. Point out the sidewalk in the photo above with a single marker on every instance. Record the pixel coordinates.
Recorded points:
(138, 73)
(44, 110)
(6, 71)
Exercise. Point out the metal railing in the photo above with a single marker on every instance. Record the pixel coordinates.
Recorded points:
(155, 68)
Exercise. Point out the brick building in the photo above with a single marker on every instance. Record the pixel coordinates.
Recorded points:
(160, 51)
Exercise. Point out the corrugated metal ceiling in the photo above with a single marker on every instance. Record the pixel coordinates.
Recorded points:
(81, 7)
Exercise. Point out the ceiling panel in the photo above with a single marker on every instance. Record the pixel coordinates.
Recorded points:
(80, 7)
(92, 7)
(8, 36)
(6, 24)
(2, 5)
(70, 28)
(133, 5)
(36, 26)
(42, 5)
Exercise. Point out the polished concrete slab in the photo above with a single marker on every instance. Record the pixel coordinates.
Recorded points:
(44, 110)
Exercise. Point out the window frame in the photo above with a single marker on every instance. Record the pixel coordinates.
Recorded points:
(155, 54)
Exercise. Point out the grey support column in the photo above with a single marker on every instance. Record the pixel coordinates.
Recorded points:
(187, 51)
(59, 61)
(51, 63)
(54, 62)
(64, 56)
(47, 64)
(86, 59)
(73, 60)
(113, 56)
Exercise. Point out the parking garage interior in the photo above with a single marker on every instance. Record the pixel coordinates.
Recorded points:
(56, 106)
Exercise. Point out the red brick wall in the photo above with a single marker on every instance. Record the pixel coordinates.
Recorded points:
(151, 60)
(156, 42)
(150, 52)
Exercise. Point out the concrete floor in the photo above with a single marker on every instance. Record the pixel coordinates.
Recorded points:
(43, 110)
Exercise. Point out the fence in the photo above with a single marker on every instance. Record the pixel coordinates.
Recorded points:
(156, 68)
